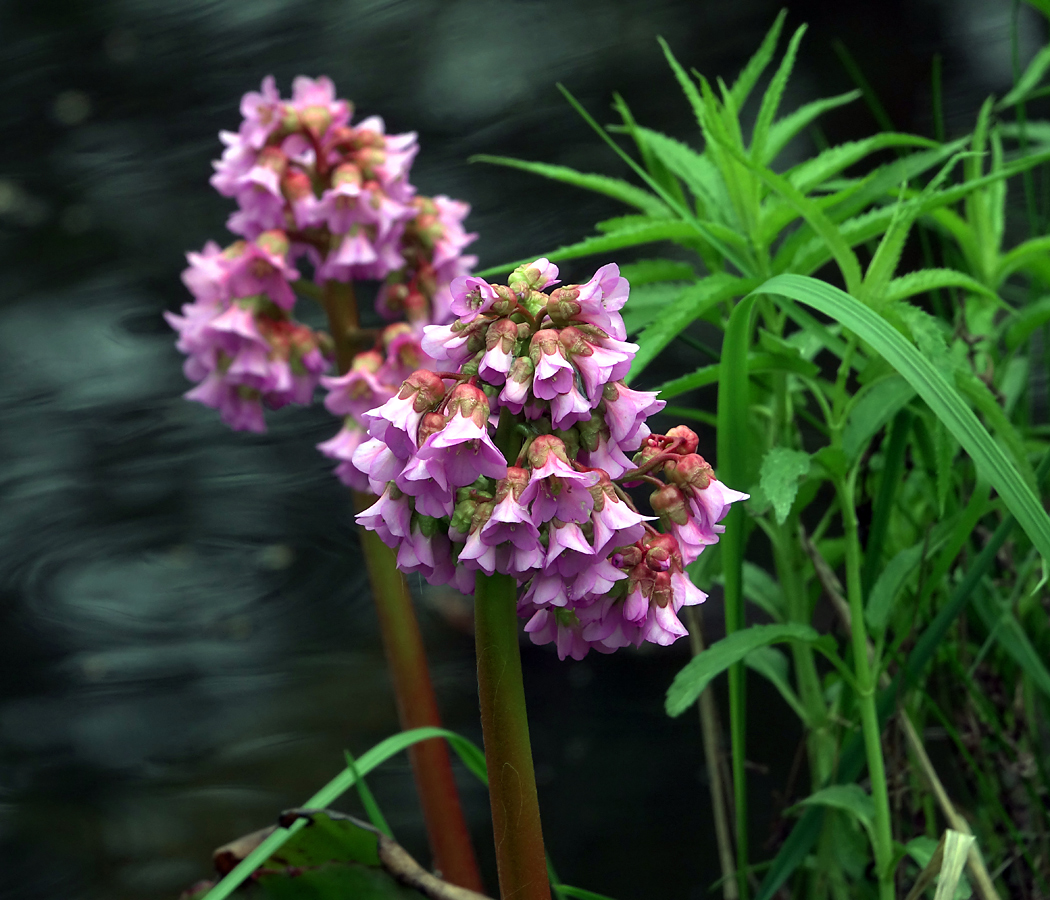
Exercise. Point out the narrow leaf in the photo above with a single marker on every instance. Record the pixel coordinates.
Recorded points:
(942, 397)
(783, 130)
(605, 243)
(1028, 81)
(692, 303)
(701, 669)
(771, 99)
(602, 184)
(926, 280)
(749, 75)
(772, 665)
(875, 407)
(849, 798)
(888, 586)
(647, 271)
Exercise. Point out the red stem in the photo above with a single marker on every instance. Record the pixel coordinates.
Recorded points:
(406, 656)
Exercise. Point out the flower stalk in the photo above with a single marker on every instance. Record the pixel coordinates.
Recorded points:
(520, 857)
(414, 694)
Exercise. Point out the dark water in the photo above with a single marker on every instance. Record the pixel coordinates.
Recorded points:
(186, 639)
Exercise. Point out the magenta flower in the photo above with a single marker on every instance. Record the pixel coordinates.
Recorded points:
(463, 447)
(555, 488)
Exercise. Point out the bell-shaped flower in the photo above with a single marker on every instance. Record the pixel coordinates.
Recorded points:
(499, 351)
(554, 374)
(463, 446)
(555, 488)
(378, 462)
(626, 411)
(396, 422)
(472, 296)
(390, 517)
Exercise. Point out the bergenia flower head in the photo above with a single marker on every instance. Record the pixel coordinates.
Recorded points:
(517, 449)
(308, 182)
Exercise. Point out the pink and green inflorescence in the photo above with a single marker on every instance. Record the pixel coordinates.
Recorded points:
(312, 187)
(513, 458)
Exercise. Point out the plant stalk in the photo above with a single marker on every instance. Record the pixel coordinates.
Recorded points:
(713, 759)
(417, 706)
(520, 857)
(882, 837)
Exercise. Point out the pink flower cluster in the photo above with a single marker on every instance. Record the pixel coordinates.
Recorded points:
(514, 460)
(241, 344)
(309, 185)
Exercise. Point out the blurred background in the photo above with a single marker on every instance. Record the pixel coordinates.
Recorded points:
(186, 639)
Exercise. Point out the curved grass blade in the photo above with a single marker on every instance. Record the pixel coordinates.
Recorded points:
(601, 184)
(942, 398)
(342, 782)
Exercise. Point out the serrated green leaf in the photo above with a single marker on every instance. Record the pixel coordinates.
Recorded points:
(763, 56)
(1021, 255)
(648, 271)
(783, 130)
(772, 665)
(692, 303)
(813, 172)
(888, 586)
(616, 188)
(782, 469)
(757, 363)
(621, 223)
(695, 170)
(849, 798)
(647, 302)
(771, 99)
(1028, 81)
(942, 397)
(605, 243)
(690, 682)
(1033, 316)
(696, 101)
(931, 280)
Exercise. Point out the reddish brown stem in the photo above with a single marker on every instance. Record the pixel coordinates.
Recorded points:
(406, 656)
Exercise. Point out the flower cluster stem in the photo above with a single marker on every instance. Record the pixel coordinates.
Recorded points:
(520, 857)
(882, 837)
(406, 657)
(417, 708)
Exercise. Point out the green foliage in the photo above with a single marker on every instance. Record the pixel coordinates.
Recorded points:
(898, 397)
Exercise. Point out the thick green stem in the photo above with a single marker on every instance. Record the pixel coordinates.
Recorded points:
(520, 857)
(869, 716)
(406, 657)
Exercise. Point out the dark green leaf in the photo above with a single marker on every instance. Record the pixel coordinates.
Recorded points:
(782, 469)
(602, 184)
(875, 407)
(698, 672)
(691, 304)
(942, 397)
(786, 128)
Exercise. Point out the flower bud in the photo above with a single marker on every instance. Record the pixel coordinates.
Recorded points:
(543, 446)
(431, 423)
(347, 173)
(369, 361)
(506, 302)
(562, 305)
(275, 241)
(692, 470)
(316, 118)
(669, 504)
(428, 388)
(296, 185)
(688, 438)
(535, 276)
(504, 332)
(516, 480)
(543, 342)
(272, 158)
(463, 515)
(468, 400)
